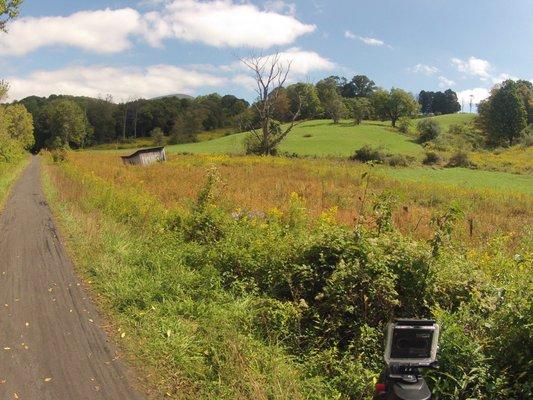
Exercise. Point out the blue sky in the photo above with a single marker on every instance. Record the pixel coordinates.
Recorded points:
(154, 47)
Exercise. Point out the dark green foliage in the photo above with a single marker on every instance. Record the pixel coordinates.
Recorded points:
(503, 116)
(368, 153)
(158, 137)
(428, 129)
(439, 102)
(359, 86)
(62, 123)
(404, 124)
(393, 105)
(431, 158)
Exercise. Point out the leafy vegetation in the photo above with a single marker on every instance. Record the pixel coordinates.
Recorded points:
(303, 298)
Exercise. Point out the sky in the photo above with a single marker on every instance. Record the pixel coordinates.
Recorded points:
(149, 48)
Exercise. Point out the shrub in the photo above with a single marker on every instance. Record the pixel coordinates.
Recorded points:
(404, 124)
(428, 129)
(59, 155)
(368, 153)
(459, 159)
(431, 158)
(158, 137)
(399, 160)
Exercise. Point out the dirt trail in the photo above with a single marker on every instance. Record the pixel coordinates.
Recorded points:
(51, 343)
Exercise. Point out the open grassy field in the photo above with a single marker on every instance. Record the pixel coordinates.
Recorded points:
(323, 138)
(271, 278)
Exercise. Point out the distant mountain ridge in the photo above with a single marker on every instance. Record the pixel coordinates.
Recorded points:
(177, 95)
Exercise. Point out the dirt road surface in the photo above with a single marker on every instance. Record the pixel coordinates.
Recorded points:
(51, 343)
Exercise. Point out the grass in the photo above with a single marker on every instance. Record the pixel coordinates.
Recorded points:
(323, 138)
(9, 172)
(445, 121)
(318, 138)
(217, 300)
(192, 339)
(466, 178)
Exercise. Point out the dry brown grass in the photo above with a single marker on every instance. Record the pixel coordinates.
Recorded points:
(262, 184)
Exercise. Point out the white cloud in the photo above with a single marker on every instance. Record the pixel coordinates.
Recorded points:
(102, 31)
(370, 41)
(280, 6)
(502, 77)
(152, 81)
(473, 66)
(223, 23)
(350, 35)
(424, 69)
(122, 83)
(302, 63)
(477, 95)
(445, 82)
(219, 23)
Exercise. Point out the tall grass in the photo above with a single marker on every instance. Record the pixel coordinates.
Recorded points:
(255, 184)
(9, 172)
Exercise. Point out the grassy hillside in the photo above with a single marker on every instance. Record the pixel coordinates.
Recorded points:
(463, 177)
(323, 138)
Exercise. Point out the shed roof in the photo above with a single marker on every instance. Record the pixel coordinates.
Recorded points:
(143, 151)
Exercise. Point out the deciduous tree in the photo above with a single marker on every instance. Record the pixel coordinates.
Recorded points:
(503, 115)
(270, 74)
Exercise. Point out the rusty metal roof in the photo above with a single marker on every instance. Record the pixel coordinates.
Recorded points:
(142, 151)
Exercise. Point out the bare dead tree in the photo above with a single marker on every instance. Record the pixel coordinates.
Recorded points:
(270, 75)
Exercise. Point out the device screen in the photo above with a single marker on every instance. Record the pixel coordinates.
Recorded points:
(411, 343)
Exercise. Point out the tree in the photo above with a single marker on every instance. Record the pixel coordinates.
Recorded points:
(439, 102)
(359, 109)
(304, 96)
(428, 129)
(9, 9)
(4, 90)
(359, 86)
(63, 123)
(503, 115)
(158, 137)
(394, 104)
(270, 74)
(19, 125)
(525, 91)
(282, 106)
(330, 99)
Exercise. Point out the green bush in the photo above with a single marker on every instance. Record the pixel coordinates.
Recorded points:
(431, 158)
(158, 137)
(459, 159)
(404, 124)
(368, 153)
(428, 129)
(399, 160)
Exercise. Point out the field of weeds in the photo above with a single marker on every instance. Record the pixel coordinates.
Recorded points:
(258, 185)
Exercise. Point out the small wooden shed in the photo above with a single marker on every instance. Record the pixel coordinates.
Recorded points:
(146, 156)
